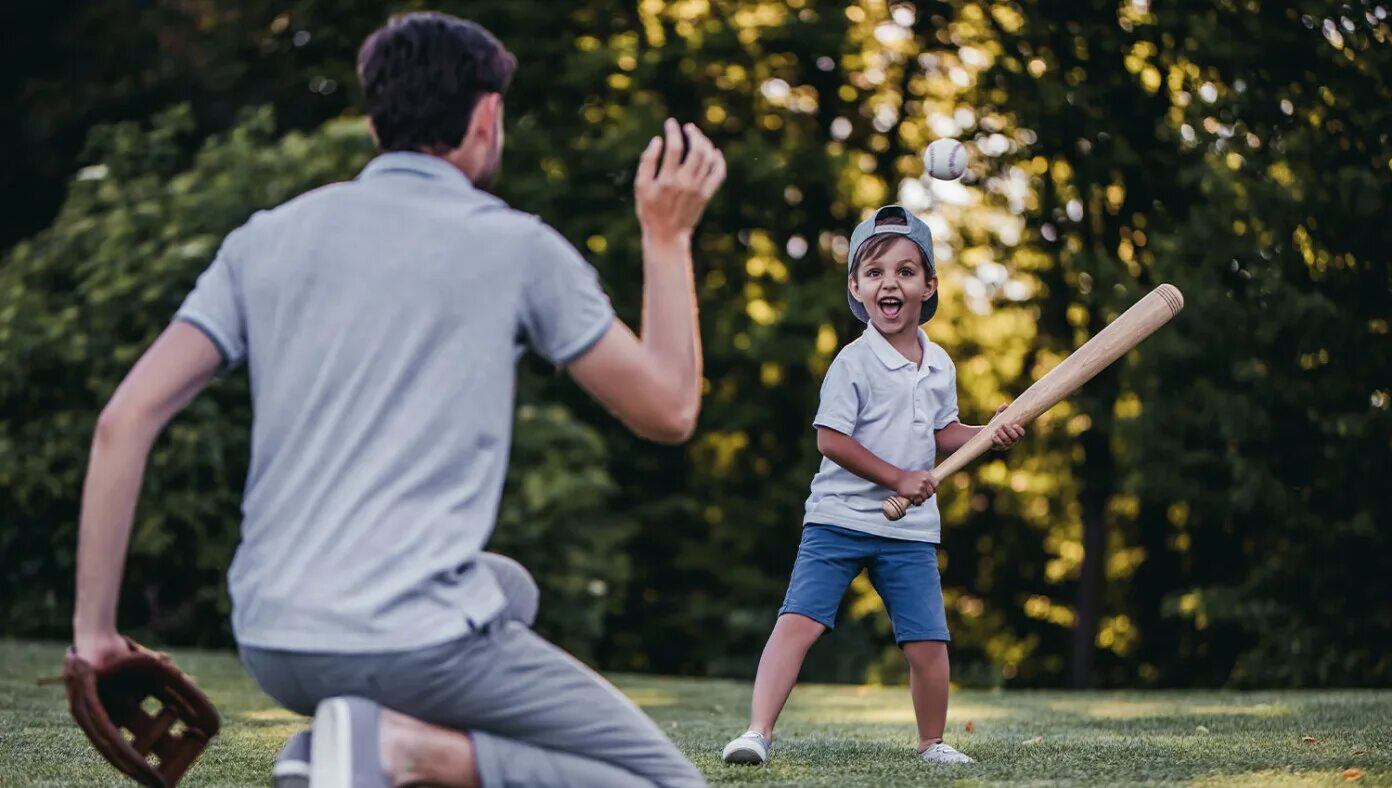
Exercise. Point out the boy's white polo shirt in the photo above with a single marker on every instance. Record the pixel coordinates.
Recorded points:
(891, 407)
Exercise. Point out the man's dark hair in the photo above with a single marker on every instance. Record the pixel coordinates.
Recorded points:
(422, 75)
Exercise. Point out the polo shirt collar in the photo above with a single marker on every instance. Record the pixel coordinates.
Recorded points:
(892, 358)
(422, 164)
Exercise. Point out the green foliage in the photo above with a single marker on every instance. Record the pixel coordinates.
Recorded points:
(1207, 512)
(84, 298)
(1236, 464)
(555, 518)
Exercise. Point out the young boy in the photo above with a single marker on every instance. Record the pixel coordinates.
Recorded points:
(888, 409)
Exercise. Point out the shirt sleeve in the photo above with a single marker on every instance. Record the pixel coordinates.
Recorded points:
(215, 305)
(947, 404)
(839, 408)
(565, 310)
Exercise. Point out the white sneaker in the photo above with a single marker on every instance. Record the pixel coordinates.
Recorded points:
(942, 752)
(750, 749)
(291, 768)
(343, 750)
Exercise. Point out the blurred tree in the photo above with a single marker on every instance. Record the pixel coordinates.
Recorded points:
(70, 65)
(1171, 145)
(1204, 513)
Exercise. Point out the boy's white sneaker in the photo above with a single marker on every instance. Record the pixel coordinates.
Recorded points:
(942, 752)
(749, 748)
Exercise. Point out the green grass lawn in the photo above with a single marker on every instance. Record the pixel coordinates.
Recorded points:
(830, 735)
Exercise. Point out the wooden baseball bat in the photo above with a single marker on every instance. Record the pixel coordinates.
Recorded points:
(1110, 344)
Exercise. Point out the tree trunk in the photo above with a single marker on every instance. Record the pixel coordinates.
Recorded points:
(1097, 482)
(1089, 602)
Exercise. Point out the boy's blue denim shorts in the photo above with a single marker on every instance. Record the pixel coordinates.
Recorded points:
(903, 572)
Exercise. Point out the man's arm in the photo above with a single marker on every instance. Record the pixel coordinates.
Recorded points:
(652, 383)
(165, 379)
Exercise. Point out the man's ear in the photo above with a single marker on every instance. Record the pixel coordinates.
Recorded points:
(484, 125)
(372, 129)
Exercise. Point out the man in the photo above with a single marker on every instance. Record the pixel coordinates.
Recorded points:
(380, 320)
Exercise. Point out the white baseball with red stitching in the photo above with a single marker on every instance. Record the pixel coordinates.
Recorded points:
(945, 159)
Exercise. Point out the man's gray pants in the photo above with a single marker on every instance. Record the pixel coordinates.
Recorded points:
(537, 716)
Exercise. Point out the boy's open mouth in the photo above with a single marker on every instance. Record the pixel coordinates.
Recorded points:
(890, 307)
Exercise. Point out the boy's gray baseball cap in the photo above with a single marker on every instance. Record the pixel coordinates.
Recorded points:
(916, 230)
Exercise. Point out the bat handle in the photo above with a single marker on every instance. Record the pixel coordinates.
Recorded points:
(895, 507)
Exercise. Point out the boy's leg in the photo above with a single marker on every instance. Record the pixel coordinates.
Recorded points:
(793, 635)
(828, 560)
(905, 574)
(929, 675)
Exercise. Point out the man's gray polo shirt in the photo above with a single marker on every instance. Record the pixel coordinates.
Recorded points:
(381, 320)
(893, 408)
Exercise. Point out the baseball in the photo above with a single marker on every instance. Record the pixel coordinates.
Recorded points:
(945, 159)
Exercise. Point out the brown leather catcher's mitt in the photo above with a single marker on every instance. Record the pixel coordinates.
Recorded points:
(142, 714)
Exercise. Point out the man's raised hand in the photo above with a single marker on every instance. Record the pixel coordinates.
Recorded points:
(672, 193)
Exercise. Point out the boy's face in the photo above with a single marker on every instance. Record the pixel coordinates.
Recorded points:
(893, 284)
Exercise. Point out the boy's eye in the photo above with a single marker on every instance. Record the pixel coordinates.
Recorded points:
(906, 272)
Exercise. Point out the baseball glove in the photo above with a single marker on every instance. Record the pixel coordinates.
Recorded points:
(141, 713)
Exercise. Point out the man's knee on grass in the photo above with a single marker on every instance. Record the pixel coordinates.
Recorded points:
(520, 592)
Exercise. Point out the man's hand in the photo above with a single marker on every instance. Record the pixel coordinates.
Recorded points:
(653, 383)
(671, 198)
(917, 486)
(100, 649)
(1005, 435)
